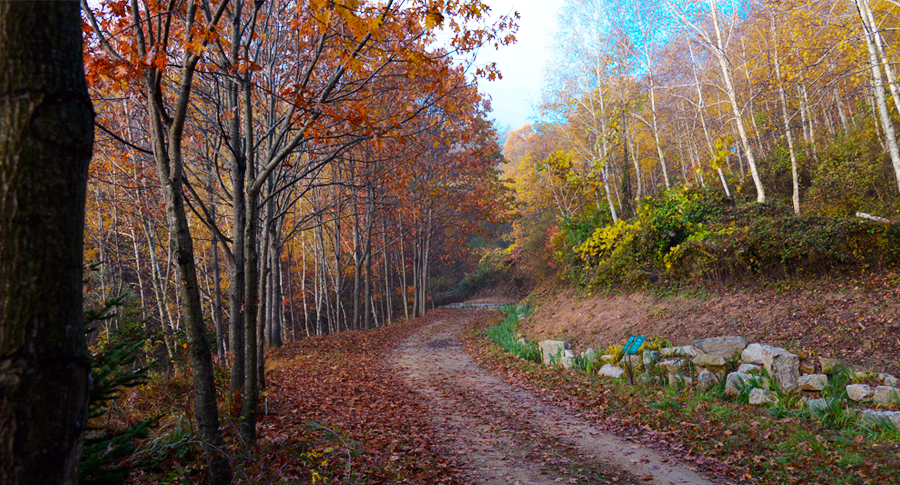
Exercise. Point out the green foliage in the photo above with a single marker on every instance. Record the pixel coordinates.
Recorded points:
(506, 337)
(853, 174)
(586, 364)
(108, 450)
(689, 235)
(835, 414)
(780, 246)
(177, 442)
(744, 386)
(633, 251)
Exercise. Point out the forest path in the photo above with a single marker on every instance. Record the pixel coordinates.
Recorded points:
(506, 434)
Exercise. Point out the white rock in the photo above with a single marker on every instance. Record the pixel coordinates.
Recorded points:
(887, 395)
(813, 382)
(554, 349)
(606, 358)
(783, 366)
(706, 380)
(860, 392)
(872, 415)
(748, 368)
(610, 370)
(569, 354)
(725, 346)
(567, 362)
(683, 351)
(753, 354)
(762, 396)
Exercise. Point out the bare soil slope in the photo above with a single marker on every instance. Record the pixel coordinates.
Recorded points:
(853, 319)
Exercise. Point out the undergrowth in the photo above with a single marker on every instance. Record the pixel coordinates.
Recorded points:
(687, 234)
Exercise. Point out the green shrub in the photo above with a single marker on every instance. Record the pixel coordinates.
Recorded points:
(108, 450)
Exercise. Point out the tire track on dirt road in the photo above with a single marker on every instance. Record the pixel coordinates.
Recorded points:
(505, 434)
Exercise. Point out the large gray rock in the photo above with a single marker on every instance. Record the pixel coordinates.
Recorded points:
(749, 368)
(860, 392)
(609, 370)
(673, 366)
(706, 380)
(683, 351)
(752, 354)
(887, 395)
(783, 366)
(725, 346)
(762, 396)
(813, 382)
(553, 348)
(878, 417)
(829, 366)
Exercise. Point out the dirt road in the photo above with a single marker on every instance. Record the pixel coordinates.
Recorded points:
(506, 434)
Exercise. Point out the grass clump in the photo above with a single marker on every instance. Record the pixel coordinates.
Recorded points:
(506, 336)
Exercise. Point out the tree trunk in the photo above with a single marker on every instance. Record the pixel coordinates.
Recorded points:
(735, 107)
(159, 291)
(46, 140)
(787, 121)
(251, 259)
(886, 123)
(239, 224)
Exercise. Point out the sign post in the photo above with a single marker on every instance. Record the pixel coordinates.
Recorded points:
(631, 348)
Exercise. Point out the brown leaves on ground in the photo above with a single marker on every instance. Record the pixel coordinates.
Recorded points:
(334, 396)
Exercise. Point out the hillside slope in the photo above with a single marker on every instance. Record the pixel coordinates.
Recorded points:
(854, 319)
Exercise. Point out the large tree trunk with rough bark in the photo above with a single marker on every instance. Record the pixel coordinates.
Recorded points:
(46, 140)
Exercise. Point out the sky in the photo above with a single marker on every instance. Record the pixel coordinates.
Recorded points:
(522, 64)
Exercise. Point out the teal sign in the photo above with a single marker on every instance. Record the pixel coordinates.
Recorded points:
(633, 344)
